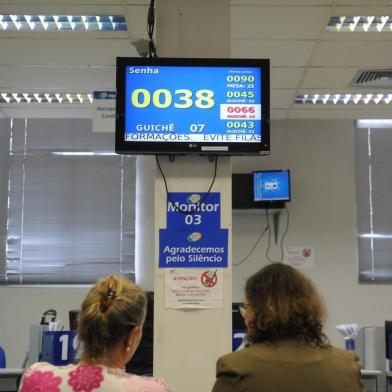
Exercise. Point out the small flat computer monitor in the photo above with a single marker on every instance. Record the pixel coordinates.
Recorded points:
(271, 186)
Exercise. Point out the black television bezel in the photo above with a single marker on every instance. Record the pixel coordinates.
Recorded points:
(270, 200)
(183, 148)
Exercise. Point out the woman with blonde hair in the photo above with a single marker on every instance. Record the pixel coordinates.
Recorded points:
(287, 349)
(110, 328)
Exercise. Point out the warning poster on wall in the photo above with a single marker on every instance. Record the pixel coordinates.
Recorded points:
(193, 288)
(300, 256)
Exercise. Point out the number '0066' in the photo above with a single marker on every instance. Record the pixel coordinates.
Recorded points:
(239, 109)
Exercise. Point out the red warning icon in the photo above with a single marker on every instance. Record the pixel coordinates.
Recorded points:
(209, 278)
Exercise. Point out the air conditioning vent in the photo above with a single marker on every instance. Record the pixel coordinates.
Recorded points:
(373, 78)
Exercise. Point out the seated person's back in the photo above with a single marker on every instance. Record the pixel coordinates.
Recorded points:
(289, 366)
(287, 350)
(110, 325)
(45, 377)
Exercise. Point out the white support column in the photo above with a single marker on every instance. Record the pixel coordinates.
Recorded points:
(193, 28)
(187, 343)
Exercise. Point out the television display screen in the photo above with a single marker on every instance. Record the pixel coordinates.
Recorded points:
(201, 106)
(271, 185)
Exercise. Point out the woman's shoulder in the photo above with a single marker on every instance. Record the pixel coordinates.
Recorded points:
(345, 356)
(148, 384)
(235, 359)
(46, 367)
(39, 365)
(287, 350)
(42, 375)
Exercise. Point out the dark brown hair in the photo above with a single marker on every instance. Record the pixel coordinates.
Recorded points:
(286, 305)
(109, 312)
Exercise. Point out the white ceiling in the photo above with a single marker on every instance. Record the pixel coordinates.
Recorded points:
(304, 57)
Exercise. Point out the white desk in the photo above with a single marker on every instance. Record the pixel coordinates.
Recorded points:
(371, 375)
(10, 378)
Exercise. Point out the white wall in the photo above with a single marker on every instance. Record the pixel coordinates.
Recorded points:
(320, 155)
(22, 306)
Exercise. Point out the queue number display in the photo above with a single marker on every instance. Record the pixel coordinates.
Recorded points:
(163, 98)
(185, 104)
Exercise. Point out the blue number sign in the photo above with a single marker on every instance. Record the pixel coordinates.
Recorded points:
(59, 347)
(193, 237)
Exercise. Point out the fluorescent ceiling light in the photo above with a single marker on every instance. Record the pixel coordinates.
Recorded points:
(367, 98)
(6, 98)
(375, 235)
(347, 99)
(343, 99)
(374, 123)
(62, 23)
(364, 24)
(52, 98)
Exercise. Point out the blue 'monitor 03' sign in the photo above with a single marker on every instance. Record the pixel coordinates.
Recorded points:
(193, 237)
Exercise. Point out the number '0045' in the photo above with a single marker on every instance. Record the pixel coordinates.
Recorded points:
(163, 98)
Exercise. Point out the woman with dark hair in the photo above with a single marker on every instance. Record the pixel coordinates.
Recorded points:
(287, 350)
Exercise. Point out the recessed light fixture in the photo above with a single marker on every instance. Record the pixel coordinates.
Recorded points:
(62, 23)
(343, 99)
(374, 123)
(375, 235)
(364, 24)
(59, 98)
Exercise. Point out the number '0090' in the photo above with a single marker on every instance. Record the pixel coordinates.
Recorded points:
(163, 98)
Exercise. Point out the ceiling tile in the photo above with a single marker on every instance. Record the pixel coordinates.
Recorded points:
(286, 77)
(370, 8)
(63, 51)
(281, 2)
(45, 78)
(136, 19)
(281, 98)
(278, 114)
(281, 53)
(60, 8)
(278, 22)
(364, 2)
(353, 54)
(357, 36)
(337, 78)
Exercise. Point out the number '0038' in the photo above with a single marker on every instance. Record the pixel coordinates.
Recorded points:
(163, 98)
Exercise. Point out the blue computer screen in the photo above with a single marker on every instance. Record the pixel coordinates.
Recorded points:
(271, 185)
(201, 104)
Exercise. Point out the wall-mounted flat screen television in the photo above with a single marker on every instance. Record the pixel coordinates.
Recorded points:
(192, 106)
(271, 185)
